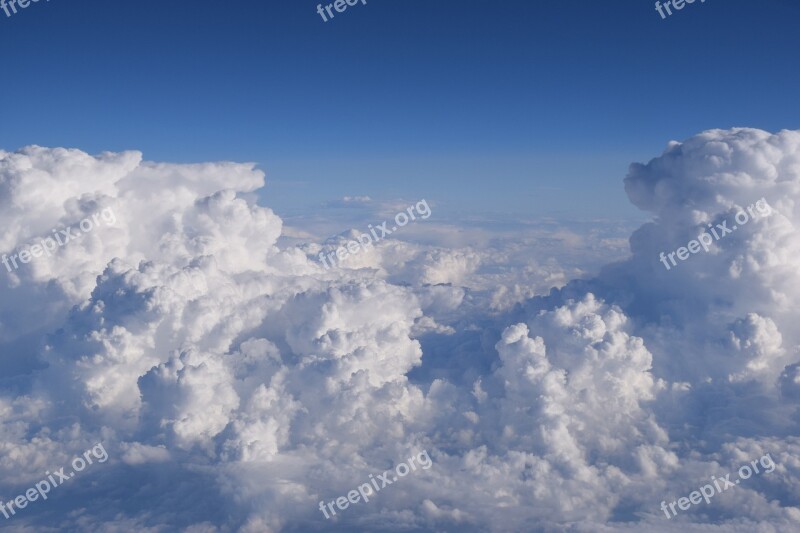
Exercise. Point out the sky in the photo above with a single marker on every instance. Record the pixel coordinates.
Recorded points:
(425, 267)
(449, 100)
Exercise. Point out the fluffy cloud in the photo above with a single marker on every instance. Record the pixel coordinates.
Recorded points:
(241, 383)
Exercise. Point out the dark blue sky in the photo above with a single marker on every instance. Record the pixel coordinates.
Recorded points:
(532, 107)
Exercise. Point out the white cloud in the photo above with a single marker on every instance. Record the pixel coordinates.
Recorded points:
(194, 344)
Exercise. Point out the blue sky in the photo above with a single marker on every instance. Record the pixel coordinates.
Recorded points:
(526, 333)
(512, 107)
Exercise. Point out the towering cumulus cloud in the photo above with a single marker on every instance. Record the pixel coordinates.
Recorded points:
(236, 383)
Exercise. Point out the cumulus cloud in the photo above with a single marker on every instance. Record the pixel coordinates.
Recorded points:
(236, 382)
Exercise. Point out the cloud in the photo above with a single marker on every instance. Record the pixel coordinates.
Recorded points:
(241, 383)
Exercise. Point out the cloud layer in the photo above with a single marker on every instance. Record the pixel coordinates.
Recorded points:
(236, 382)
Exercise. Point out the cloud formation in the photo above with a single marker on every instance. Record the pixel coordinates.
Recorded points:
(236, 382)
